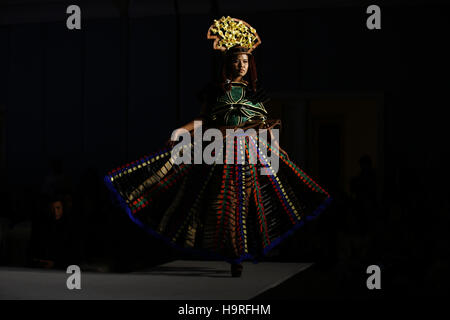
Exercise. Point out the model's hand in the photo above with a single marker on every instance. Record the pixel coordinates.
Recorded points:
(177, 133)
(174, 137)
(281, 151)
(284, 153)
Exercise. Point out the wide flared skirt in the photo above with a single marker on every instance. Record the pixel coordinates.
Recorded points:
(231, 210)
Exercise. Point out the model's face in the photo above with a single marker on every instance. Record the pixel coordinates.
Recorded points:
(239, 65)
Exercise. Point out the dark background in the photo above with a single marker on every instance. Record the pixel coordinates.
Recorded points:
(113, 91)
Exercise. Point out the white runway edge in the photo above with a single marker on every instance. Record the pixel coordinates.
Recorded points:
(176, 280)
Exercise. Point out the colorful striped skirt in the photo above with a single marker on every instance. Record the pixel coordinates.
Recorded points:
(230, 210)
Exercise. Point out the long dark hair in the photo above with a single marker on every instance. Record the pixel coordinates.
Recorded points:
(226, 70)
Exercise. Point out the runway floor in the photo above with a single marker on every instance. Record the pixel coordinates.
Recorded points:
(176, 280)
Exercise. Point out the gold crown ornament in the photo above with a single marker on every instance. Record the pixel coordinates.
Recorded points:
(230, 32)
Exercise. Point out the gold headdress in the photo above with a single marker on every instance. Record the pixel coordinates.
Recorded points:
(230, 32)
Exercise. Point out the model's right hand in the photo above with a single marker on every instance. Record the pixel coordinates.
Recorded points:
(174, 137)
(176, 134)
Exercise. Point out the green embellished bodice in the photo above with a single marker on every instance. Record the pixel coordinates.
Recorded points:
(233, 107)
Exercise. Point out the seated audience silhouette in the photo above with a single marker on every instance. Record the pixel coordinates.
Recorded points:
(53, 241)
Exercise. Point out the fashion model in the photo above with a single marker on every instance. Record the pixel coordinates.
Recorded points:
(244, 202)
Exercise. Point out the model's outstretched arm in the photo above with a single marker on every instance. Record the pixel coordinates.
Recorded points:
(277, 145)
(194, 123)
(188, 126)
